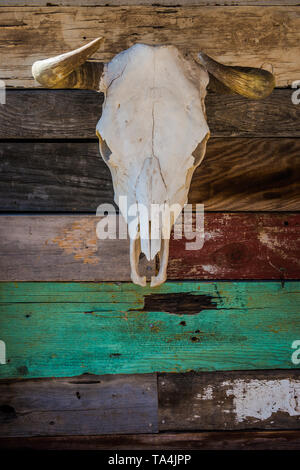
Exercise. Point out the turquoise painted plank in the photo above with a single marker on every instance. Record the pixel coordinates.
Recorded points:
(66, 329)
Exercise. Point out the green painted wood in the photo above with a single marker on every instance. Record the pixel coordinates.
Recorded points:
(66, 329)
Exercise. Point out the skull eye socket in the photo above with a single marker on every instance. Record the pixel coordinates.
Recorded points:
(104, 148)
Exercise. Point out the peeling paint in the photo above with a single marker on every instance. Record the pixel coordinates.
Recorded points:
(261, 398)
(80, 240)
(207, 393)
(210, 268)
(213, 234)
(276, 245)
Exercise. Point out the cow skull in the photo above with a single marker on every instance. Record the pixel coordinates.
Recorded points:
(153, 130)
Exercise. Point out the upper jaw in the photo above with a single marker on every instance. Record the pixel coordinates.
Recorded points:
(135, 251)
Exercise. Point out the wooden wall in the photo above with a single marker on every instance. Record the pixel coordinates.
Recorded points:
(205, 360)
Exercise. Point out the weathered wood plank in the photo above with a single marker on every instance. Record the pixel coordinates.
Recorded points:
(265, 36)
(62, 248)
(73, 114)
(251, 440)
(66, 248)
(147, 2)
(236, 174)
(80, 405)
(248, 174)
(240, 246)
(66, 329)
(229, 400)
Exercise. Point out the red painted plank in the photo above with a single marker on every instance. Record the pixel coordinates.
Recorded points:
(241, 246)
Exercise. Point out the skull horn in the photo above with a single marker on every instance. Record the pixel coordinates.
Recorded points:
(70, 70)
(250, 82)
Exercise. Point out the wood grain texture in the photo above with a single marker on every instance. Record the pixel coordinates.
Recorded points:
(229, 400)
(248, 174)
(80, 405)
(247, 35)
(66, 248)
(73, 114)
(242, 440)
(240, 246)
(147, 2)
(236, 174)
(66, 329)
(62, 248)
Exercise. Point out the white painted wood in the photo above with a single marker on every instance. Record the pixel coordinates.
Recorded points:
(259, 399)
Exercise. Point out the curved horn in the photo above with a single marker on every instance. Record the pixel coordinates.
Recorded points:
(70, 70)
(253, 83)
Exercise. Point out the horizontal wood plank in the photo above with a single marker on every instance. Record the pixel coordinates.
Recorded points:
(236, 174)
(146, 2)
(242, 440)
(73, 114)
(263, 39)
(248, 174)
(79, 405)
(66, 329)
(66, 248)
(229, 400)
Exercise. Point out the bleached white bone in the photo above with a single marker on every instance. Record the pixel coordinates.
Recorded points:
(153, 120)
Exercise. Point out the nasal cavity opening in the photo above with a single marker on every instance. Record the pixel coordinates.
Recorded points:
(104, 148)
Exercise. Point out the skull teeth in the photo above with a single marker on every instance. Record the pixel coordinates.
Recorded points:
(135, 250)
(164, 257)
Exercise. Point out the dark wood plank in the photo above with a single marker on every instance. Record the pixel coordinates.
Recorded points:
(236, 174)
(53, 176)
(247, 35)
(88, 404)
(253, 440)
(65, 329)
(66, 248)
(229, 400)
(55, 114)
(234, 116)
(73, 114)
(249, 174)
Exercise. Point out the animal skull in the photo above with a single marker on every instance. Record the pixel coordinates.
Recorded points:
(153, 129)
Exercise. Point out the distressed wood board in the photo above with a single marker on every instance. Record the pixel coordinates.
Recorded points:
(66, 248)
(237, 440)
(62, 248)
(66, 329)
(146, 2)
(79, 405)
(236, 174)
(73, 114)
(269, 36)
(229, 400)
